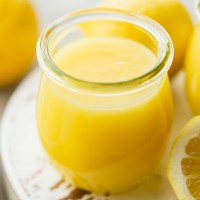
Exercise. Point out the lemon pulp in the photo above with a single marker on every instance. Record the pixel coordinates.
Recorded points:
(184, 162)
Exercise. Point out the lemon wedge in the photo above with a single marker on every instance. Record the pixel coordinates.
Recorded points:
(184, 162)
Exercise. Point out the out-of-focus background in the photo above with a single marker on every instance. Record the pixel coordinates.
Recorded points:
(48, 11)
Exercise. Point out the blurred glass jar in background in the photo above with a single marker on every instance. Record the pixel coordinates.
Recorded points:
(18, 36)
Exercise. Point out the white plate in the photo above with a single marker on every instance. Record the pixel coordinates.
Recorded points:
(28, 174)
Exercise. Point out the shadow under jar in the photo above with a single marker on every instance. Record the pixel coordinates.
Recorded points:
(104, 132)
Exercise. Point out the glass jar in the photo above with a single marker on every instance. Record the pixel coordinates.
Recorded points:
(104, 137)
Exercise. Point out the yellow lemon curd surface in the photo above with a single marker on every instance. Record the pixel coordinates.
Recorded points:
(106, 144)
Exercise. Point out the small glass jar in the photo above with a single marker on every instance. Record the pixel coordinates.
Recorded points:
(104, 137)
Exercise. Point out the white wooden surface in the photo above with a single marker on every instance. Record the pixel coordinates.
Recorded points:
(49, 11)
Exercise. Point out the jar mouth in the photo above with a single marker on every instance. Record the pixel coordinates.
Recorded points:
(163, 39)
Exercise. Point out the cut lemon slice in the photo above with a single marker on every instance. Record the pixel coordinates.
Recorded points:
(184, 162)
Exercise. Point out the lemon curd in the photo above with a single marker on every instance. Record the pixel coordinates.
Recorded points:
(101, 131)
(105, 59)
(94, 144)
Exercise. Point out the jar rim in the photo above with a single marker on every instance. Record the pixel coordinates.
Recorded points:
(160, 34)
